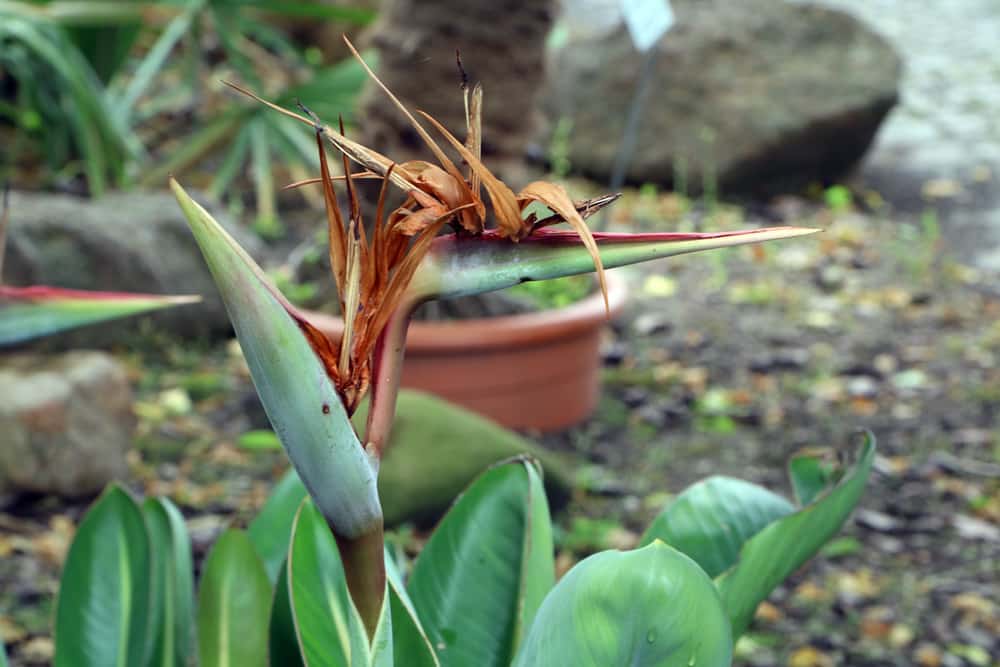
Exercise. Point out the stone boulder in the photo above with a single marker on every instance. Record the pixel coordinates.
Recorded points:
(757, 95)
(66, 423)
(135, 242)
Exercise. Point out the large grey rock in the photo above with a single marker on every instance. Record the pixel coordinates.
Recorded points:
(135, 242)
(66, 422)
(760, 95)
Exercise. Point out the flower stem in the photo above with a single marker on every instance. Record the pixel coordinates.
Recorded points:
(363, 558)
(387, 369)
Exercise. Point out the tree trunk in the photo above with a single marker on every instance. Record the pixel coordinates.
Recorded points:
(502, 45)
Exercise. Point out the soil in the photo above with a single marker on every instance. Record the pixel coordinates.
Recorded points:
(724, 363)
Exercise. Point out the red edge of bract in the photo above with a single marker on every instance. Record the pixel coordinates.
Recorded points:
(45, 293)
(567, 237)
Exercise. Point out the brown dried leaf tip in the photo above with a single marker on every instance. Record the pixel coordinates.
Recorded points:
(372, 274)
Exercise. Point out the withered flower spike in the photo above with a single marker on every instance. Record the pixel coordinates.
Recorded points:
(335, 223)
(439, 154)
(555, 197)
(294, 185)
(585, 207)
(366, 157)
(474, 139)
(505, 206)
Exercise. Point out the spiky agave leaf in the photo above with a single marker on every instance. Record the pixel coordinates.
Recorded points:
(458, 266)
(32, 312)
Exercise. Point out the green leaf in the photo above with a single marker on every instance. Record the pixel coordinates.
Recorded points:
(782, 547)
(479, 580)
(711, 520)
(382, 648)
(32, 312)
(460, 266)
(102, 613)
(328, 626)
(428, 461)
(234, 602)
(810, 476)
(282, 642)
(172, 607)
(300, 399)
(271, 529)
(260, 439)
(3, 654)
(411, 646)
(651, 606)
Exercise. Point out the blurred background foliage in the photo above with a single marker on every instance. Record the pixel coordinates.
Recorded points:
(116, 94)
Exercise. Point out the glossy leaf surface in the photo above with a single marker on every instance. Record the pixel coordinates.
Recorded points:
(410, 643)
(172, 585)
(328, 626)
(711, 520)
(783, 546)
(480, 578)
(31, 312)
(234, 602)
(102, 613)
(283, 645)
(271, 530)
(650, 607)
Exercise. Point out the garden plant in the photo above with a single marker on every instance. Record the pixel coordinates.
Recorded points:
(311, 583)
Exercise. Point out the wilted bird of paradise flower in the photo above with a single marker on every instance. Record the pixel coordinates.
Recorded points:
(309, 386)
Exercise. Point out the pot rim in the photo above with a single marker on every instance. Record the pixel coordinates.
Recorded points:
(484, 333)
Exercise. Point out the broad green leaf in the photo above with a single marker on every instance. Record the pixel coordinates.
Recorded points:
(3, 654)
(282, 643)
(172, 607)
(480, 578)
(328, 626)
(711, 520)
(382, 649)
(102, 613)
(460, 266)
(811, 475)
(271, 529)
(411, 647)
(782, 547)
(32, 312)
(234, 602)
(650, 607)
(300, 399)
(428, 461)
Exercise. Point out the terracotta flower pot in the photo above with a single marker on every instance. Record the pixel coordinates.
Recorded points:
(537, 371)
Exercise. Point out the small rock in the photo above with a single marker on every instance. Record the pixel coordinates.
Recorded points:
(969, 528)
(649, 324)
(927, 655)
(613, 354)
(66, 423)
(861, 386)
(38, 650)
(831, 277)
(877, 521)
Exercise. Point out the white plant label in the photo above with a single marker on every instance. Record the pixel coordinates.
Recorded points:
(647, 21)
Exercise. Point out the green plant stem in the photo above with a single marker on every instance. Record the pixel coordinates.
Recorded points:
(387, 370)
(363, 558)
